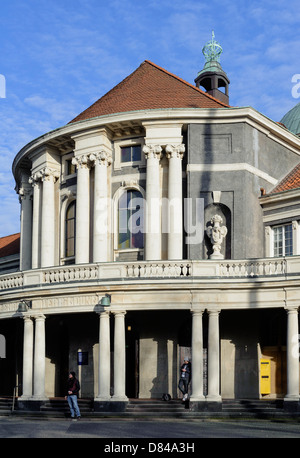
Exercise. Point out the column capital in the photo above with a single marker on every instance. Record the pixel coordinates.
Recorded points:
(81, 162)
(48, 174)
(175, 151)
(152, 151)
(24, 193)
(103, 313)
(119, 313)
(39, 317)
(213, 311)
(293, 309)
(102, 157)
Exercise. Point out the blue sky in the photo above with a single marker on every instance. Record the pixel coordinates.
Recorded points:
(59, 56)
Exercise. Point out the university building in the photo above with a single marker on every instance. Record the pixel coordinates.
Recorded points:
(160, 222)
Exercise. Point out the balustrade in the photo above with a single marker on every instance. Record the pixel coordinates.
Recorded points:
(214, 270)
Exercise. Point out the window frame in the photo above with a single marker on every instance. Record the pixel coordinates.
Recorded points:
(130, 142)
(284, 239)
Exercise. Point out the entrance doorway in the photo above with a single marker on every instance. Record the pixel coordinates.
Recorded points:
(132, 359)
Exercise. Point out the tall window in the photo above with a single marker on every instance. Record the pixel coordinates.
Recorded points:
(131, 153)
(283, 240)
(70, 230)
(131, 220)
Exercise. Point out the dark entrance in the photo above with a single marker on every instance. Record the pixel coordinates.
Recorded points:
(132, 358)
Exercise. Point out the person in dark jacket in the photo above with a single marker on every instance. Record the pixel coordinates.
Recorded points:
(73, 390)
(185, 378)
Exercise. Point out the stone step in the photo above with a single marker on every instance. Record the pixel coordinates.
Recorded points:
(61, 405)
(251, 405)
(155, 405)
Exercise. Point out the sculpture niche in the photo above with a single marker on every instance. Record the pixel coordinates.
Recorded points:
(216, 234)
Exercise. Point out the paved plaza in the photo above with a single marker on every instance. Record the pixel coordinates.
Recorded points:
(177, 430)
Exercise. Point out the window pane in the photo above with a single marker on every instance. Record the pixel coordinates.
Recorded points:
(283, 240)
(126, 154)
(131, 219)
(136, 153)
(131, 153)
(70, 230)
(278, 241)
(288, 240)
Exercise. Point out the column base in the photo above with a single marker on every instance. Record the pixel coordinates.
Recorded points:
(205, 406)
(213, 398)
(109, 405)
(29, 404)
(291, 404)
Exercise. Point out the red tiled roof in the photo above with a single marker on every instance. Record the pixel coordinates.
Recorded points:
(9, 245)
(150, 87)
(290, 181)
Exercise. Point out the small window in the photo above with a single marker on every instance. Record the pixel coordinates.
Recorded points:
(283, 240)
(131, 220)
(70, 168)
(131, 153)
(70, 230)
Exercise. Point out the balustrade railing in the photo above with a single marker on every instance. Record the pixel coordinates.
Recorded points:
(214, 270)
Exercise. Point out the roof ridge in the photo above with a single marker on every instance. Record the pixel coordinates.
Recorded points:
(185, 82)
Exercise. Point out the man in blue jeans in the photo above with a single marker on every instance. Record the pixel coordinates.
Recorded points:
(73, 390)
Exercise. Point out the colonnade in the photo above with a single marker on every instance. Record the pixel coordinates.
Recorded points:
(34, 357)
(40, 245)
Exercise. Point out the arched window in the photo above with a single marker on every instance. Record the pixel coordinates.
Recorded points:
(131, 220)
(70, 230)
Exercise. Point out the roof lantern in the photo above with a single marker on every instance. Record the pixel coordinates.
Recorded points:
(212, 77)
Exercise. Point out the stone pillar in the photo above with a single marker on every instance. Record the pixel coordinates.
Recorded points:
(197, 357)
(175, 218)
(292, 355)
(25, 196)
(48, 229)
(153, 210)
(119, 358)
(39, 359)
(101, 209)
(213, 366)
(82, 249)
(36, 184)
(104, 358)
(27, 358)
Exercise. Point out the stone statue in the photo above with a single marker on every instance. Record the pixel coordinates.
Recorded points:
(216, 233)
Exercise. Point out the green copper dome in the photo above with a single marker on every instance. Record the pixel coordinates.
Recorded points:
(292, 119)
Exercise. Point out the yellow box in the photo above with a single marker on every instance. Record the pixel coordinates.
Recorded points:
(265, 376)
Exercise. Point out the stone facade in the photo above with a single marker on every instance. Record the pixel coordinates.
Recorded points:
(172, 172)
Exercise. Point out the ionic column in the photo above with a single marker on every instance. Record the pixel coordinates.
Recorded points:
(104, 358)
(27, 358)
(197, 357)
(119, 358)
(175, 154)
(213, 364)
(153, 210)
(100, 225)
(36, 184)
(82, 250)
(39, 359)
(25, 196)
(292, 355)
(49, 177)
